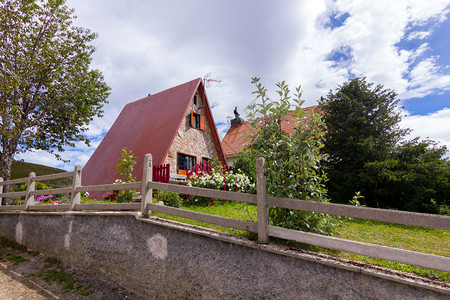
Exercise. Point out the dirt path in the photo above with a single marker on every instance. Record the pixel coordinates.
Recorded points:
(30, 275)
(13, 286)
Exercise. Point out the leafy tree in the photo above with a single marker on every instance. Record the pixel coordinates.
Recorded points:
(362, 127)
(367, 153)
(292, 160)
(48, 93)
(415, 177)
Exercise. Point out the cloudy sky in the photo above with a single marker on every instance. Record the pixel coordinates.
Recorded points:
(148, 46)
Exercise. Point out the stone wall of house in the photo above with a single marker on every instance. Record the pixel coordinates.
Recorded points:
(192, 141)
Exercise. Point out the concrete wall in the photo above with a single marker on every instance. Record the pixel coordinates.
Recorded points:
(192, 141)
(165, 260)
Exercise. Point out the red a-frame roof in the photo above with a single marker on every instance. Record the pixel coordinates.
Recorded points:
(148, 125)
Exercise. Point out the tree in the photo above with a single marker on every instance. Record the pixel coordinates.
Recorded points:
(292, 160)
(48, 93)
(415, 177)
(362, 127)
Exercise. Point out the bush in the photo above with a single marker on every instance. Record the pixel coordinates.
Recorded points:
(125, 167)
(169, 198)
(38, 186)
(292, 161)
(219, 179)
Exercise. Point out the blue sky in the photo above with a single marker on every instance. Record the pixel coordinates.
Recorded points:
(148, 46)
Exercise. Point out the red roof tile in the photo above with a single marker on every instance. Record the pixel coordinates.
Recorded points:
(234, 140)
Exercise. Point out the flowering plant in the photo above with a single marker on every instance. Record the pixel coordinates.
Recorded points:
(107, 196)
(45, 199)
(229, 181)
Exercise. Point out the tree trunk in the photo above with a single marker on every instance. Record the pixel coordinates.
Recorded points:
(5, 172)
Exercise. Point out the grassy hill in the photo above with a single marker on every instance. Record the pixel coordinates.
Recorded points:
(23, 169)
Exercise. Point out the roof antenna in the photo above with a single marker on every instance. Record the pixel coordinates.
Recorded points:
(208, 82)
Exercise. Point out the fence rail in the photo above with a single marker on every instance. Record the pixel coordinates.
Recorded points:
(260, 199)
(368, 213)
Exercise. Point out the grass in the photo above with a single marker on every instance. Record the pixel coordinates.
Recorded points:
(234, 210)
(426, 240)
(52, 271)
(413, 238)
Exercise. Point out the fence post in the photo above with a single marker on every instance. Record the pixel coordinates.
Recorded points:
(263, 218)
(75, 198)
(1, 191)
(146, 193)
(29, 199)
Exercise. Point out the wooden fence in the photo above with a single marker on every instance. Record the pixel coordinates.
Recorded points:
(261, 227)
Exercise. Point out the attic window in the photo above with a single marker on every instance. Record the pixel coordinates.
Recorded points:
(195, 100)
(197, 121)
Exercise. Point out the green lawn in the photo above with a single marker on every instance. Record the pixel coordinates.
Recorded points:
(412, 238)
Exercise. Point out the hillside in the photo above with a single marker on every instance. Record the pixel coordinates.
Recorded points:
(22, 169)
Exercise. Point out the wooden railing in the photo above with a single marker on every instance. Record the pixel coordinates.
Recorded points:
(261, 227)
(161, 173)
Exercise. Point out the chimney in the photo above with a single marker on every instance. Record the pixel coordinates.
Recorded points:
(237, 119)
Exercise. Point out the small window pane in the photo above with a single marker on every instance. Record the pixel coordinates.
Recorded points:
(185, 161)
(195, 120)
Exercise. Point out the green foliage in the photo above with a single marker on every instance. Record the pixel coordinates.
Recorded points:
(362, 127)
(126, 164)
(219, 179)
(292, 160)
(38, 186)
(21, 169)
(169, 198)
(415, 177)
(48, 93)
(356, 199)
(125, 167)
(126, 196)
(367, 153)
(246, 164)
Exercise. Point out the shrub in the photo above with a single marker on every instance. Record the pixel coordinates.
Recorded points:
(219, 179)
(292, 161)
(169, 198)
(38, 186)
(125, 167)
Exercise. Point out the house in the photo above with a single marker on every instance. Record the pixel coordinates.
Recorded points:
(235, 140)
(176, 126)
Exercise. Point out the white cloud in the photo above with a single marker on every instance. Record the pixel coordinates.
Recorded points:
(433, 126)
(419, 35)
(425, 79)
(148, 46)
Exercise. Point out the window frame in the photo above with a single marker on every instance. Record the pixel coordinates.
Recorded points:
(197, 121)
(193, 162)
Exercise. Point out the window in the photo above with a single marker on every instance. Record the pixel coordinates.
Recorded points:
(195, 100)
(197, 121)
(185, 161)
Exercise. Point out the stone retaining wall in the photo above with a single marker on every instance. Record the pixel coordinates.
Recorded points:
(160, 259)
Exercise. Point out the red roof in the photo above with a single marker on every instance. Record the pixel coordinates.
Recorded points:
(148, 125)
(234, 140)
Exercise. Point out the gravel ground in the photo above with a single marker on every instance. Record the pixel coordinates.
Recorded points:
(30, 275)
